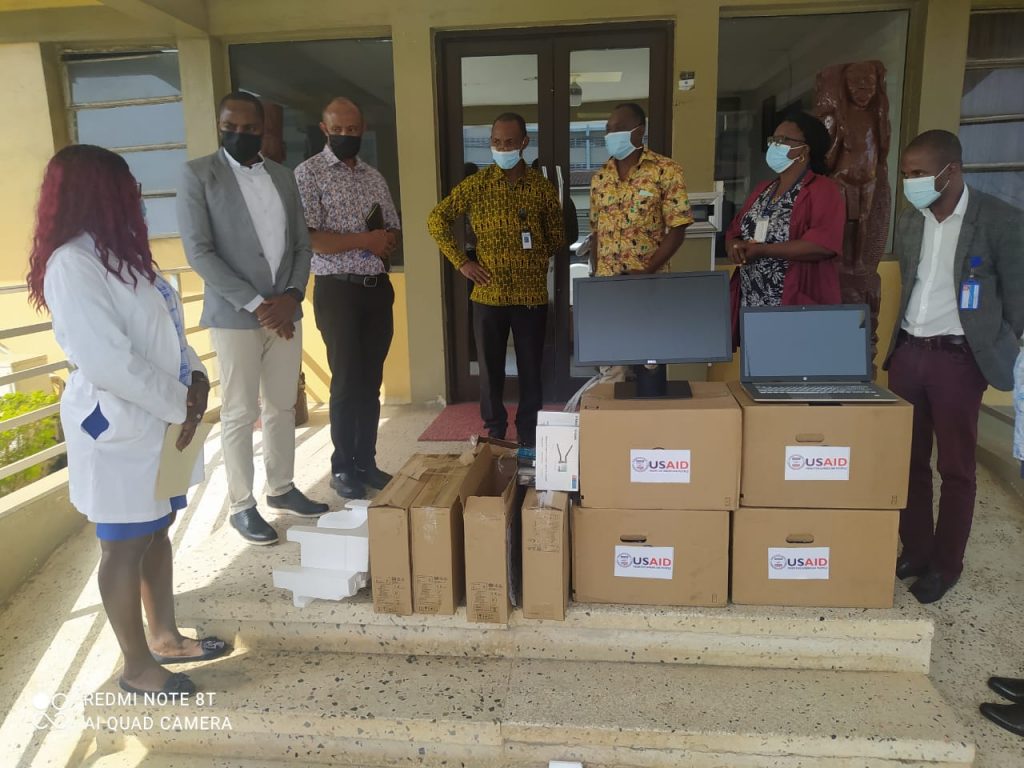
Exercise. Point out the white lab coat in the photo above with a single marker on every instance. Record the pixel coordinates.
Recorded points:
(124, 344)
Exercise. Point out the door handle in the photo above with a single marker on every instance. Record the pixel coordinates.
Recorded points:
(561, 186)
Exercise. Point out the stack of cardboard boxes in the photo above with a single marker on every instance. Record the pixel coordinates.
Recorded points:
(658, 480)
(821, 490)
(812, 493)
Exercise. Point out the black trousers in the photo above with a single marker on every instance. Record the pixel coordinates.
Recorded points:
(491, 326)
(357, 326)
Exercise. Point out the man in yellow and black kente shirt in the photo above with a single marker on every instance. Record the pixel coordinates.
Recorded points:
(517, 220)
(639, 209)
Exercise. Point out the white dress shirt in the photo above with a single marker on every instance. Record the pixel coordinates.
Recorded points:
(267, 213)
(934, 308)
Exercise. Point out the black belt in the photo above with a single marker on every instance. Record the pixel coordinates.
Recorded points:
(366, 281)
(948, 343)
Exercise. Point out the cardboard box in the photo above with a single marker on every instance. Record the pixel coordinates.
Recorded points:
(436, 524)
(546, 555)
(388, 520)
(490, 526)
(842, 558)
(558, 451)
(832, 456)
(660, 454)
(650, 557)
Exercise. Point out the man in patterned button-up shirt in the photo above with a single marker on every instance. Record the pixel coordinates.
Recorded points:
(639, 209)
(352, 295)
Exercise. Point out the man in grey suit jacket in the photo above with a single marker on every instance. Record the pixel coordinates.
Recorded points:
(244, 233)
(958, 331)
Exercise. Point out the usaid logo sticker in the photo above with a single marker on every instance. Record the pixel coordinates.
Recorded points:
(814, 462)
(798, 563)
(644, 562)
(657, 465)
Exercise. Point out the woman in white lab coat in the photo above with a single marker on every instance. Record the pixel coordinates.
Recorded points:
(121, 325)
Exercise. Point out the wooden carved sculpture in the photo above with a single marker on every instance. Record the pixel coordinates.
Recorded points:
(851, 100)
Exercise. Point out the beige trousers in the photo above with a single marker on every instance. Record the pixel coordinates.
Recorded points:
(257, 365)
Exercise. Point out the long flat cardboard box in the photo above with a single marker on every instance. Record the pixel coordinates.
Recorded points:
(388, 521)
(546, 555)
(829, 456)
(842, 558)
(490, 526)
(660, 454)
(437, 533)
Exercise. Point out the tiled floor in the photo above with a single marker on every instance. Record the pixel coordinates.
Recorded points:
(56, 640)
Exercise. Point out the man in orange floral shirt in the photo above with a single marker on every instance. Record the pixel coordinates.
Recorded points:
(639, 210)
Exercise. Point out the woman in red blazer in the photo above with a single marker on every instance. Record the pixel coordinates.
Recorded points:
(790, 230)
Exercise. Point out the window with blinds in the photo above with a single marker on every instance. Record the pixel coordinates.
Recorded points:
(992, 107)
(130, 102)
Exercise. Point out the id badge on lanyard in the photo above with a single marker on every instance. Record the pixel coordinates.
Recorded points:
(761, 230)
(524, 233)
(970, 289)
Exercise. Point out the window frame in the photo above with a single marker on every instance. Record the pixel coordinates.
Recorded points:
(1011, 62)
(72, 55)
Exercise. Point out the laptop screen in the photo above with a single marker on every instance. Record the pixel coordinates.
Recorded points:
(822, 343)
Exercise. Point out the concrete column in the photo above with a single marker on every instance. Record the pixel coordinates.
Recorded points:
(942, 64)
(204, 80)
(418, 164)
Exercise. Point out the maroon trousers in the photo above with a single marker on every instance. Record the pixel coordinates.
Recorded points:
(945, 387)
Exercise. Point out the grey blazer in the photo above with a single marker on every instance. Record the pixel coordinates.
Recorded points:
(994, 232)
(221, 243)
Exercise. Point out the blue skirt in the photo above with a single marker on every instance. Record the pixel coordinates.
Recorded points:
(125, 531)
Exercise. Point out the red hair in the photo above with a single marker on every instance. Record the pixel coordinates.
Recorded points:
(88, 189)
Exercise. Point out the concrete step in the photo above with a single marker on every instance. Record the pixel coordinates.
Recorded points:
(224, 588)
(386, 710)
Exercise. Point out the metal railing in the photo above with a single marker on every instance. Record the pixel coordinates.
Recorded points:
(48, 411)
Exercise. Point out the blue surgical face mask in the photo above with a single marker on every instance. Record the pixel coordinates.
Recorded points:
(921, 192)
(620, 144)
(778, 158)
(507, 160)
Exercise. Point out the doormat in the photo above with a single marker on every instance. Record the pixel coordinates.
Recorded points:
(457, 423)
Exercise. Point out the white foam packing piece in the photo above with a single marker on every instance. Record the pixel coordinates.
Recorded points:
(333, 549)
(307, 584)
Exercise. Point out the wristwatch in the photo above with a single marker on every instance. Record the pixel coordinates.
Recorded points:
(295, 293)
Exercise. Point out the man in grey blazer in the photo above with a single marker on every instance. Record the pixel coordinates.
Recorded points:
(244, 233)
(958, 330)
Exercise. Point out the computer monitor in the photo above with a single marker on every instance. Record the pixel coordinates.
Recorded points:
(652, 320)
(806, 343)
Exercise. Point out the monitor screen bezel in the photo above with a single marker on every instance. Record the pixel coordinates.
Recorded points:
(724, 322)
(745, 311)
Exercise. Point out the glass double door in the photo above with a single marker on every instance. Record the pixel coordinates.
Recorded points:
(565, 84)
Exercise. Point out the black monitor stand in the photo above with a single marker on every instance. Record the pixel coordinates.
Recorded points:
(652, 384)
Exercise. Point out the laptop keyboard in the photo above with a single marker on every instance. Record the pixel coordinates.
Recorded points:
(816, 389)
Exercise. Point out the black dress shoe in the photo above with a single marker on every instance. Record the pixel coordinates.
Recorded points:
(253, 528)
(1011, 688)
(348, 486)
(1008, 716)
(931, 587)
(295, 502)
(906, 569)
(374, 477)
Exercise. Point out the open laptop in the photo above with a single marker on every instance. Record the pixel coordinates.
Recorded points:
(808, 354)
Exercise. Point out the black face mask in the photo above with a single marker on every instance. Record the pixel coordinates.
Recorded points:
(345, 147)
(242, 146)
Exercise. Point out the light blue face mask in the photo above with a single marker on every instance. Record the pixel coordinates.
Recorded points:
(778, 158)
(921, 192)
(506, 160)
(620, 144)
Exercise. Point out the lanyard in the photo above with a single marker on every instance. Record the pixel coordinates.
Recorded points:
(770, 204)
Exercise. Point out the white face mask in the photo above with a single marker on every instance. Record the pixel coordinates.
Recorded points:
(921, 192)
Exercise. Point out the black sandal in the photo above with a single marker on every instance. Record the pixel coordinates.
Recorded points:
(212, 648)
(178, 684)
